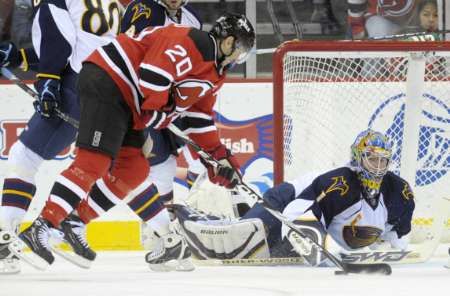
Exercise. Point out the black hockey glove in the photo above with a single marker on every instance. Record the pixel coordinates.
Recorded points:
(9, 55)
(49, 96)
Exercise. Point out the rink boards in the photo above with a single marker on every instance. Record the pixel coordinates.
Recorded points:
(244, 112)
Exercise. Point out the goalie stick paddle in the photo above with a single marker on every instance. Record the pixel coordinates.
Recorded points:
(345, 268)
(10, 76)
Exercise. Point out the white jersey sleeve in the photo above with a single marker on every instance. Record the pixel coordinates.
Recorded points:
(65, 32)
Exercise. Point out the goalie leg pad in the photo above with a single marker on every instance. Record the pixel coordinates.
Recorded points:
(212, 238)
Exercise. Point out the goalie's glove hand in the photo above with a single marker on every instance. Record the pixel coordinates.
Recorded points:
(227, 173)
(49, 96)
(9, 55)
(392, 238)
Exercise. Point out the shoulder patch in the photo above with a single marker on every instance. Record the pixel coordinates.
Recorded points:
(140, 10)
(407, 192)
(339, 184)
(204, 44)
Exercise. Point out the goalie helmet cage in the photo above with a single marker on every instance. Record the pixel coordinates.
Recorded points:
(325, 93)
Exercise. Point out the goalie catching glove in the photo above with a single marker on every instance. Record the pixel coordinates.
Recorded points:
(227, 172)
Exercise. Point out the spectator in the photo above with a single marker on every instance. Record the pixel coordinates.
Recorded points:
(426, 16)
(425, 19)
(21, 23)
(373, 18)
(323, 14)
(5, 15)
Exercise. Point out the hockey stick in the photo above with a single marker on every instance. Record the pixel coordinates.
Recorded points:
(406, 35)
(377, 268)
(10, 76)
(146, 149)
(252, 262)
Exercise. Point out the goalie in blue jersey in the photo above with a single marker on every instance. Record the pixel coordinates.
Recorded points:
(358, 205)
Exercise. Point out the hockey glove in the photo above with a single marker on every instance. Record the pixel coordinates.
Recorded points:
(9, 55)
(49, 96)
(227, 174)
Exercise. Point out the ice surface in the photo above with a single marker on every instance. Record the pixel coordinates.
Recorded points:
(126, 274)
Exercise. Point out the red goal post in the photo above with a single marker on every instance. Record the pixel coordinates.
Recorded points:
(325, 93)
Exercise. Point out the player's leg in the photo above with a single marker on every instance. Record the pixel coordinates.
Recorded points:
(102, 113)
(278, 198)
(195, 166)
(168, 249)
(43, 139)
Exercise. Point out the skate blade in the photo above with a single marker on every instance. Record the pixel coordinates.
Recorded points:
(17, 248)
(9, 266)
(72, 257)
(173, 265)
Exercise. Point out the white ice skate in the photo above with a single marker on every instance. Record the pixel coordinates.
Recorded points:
(9, 263)
(170, 253)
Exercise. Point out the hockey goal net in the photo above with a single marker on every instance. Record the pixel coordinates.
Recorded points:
(325, 93)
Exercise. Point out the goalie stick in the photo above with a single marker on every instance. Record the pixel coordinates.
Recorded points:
(345, 268)
(10, 76)
(289, 261)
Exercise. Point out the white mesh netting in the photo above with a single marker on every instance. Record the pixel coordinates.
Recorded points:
(329, 97)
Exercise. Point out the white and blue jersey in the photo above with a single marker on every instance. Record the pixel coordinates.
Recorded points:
(65, 32)
(141, 14)
(336, 200)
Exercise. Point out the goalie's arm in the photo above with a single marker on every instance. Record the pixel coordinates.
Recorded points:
(295, 197)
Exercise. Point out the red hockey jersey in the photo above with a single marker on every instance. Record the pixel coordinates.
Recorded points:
(164, 60)
(398, 11)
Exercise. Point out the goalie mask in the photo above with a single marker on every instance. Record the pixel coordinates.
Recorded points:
(371, 154)
(239, 27)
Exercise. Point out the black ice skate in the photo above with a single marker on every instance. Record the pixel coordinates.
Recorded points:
(73, 232)
(170, 253)
(36, 237)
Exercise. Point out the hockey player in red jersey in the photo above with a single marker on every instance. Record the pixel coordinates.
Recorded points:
(145, 81)
(376, 18)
